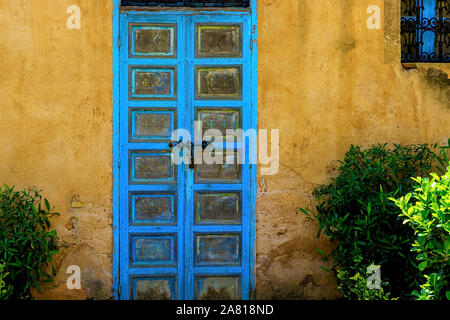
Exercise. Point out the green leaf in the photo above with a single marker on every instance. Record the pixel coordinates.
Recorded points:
(16, 264)
(447, 294)
(51, 233)
(447, 244)
(305, 211)
(422, 265)
(407, 198)
(47, 205)
(325, 269)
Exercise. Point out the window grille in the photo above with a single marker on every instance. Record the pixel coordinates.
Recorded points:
(188, 3)
(425, 30)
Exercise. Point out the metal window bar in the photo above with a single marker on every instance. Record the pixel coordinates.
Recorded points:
(425, 30)
(187, 3)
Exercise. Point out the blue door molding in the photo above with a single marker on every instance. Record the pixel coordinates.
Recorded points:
(185, 231)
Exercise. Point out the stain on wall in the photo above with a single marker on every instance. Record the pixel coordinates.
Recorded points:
(325, 81)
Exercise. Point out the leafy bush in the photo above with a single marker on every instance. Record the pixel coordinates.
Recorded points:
(354, 211)
(429, 217)
(26, 244)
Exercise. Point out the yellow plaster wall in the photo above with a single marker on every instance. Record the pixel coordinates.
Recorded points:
(325, 81)
(56, 126)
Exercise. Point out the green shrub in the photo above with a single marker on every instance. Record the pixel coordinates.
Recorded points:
(427, 212)
(354, 211)
(26, 243)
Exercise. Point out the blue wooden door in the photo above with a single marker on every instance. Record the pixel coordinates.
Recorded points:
(185, 229)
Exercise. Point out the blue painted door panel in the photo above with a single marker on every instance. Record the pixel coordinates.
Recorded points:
(185, 233)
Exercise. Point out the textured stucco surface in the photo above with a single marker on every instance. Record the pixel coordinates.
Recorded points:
(325, 81)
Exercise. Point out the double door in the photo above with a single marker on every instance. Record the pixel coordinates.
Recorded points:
(185, 226)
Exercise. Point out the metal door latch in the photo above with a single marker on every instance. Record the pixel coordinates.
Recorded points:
(173, 144)
(204, 145)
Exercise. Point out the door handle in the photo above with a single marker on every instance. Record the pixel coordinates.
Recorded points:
(173, 144)
(192, 163)
(204, 145)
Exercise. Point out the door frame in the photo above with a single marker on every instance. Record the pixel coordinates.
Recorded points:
(252, 12)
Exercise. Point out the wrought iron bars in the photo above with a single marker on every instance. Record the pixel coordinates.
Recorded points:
(188, 3)
(425, 31)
